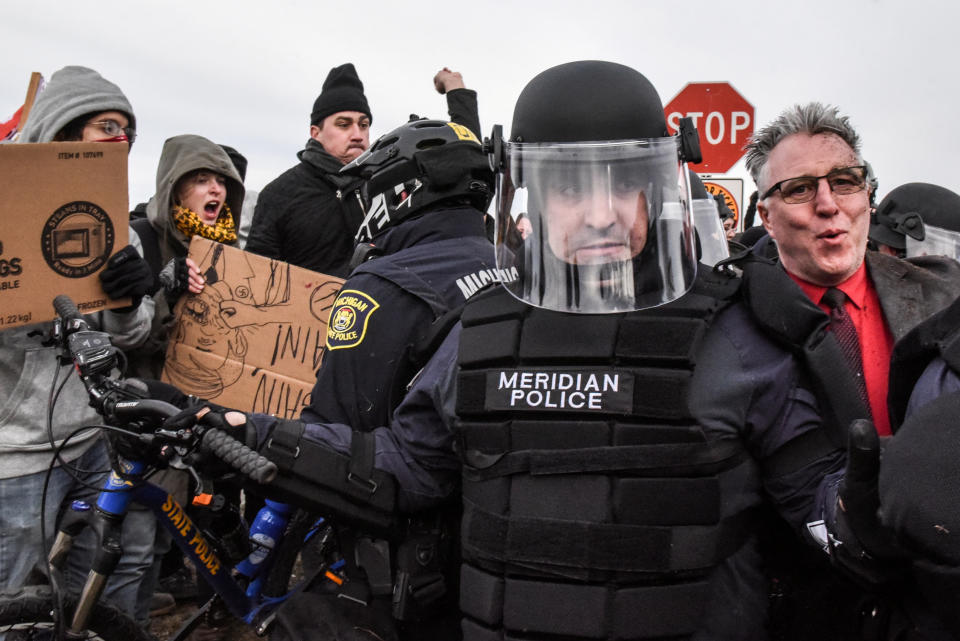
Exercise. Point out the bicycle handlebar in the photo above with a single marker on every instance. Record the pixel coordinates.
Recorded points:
(102, 390)
(239, 456)
(66, 309)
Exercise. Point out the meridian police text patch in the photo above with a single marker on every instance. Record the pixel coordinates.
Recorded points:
(348, 319)
(559, 390)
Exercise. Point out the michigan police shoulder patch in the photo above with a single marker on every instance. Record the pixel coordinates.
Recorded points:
(348, 319)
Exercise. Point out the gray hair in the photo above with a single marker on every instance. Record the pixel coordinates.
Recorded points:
(812, 118)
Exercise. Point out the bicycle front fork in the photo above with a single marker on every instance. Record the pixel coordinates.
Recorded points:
(106, 519)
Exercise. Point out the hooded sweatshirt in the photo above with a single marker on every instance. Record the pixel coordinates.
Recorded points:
(180, 156)
(71, 93)
(27, 368)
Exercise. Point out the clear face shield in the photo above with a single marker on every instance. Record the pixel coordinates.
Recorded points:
(936, 242)
(595, 227)
(710, 231)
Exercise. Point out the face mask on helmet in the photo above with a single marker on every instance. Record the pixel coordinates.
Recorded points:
(609, 224)
(935, 242)
(906, 213)
(415, 167)
(710, 232)
(593, 200)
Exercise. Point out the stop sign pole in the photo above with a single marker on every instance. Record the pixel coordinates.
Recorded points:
(723, 118)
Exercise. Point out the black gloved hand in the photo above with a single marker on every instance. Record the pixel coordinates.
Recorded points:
(210, 415)
(231, 422)
(859, 492)
(859, 543)
(174, 277)
(128, 274)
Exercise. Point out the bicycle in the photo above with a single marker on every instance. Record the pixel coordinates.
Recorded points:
(45, 612)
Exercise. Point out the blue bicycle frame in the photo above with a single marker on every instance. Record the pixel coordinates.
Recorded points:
(245, 603)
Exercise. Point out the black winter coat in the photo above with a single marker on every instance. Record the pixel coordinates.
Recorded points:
(309, 215)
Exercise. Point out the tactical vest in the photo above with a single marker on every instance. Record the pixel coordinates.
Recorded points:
(591, 498)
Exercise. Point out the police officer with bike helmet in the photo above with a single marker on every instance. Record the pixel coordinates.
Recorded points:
(421, 252)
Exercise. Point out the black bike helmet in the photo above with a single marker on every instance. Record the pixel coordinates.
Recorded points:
(416, 166)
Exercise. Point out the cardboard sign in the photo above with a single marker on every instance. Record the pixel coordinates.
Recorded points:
(254, 337)
(63, 213)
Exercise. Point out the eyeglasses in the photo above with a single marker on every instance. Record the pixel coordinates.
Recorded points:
(803, 189)
(113, 129)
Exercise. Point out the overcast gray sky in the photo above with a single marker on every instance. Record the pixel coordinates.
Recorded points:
(246, 73)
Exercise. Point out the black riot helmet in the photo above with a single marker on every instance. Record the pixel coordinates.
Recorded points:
(590, 164)
(416, 166)
(898, 215)
(918, 219)
(588, 100)
(924, 218)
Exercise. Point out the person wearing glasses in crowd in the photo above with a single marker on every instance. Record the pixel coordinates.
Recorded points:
(77, 105)
(783, 372)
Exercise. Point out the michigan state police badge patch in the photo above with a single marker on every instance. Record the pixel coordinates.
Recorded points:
(348, 319)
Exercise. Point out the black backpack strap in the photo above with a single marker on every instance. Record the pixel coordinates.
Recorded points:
(151, 248)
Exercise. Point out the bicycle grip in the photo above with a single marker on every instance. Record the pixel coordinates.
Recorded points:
(65, 307)
(239, 456)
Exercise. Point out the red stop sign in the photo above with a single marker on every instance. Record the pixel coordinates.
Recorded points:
(723, 119)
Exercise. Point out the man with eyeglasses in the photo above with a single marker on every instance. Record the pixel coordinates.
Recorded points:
(789, 368)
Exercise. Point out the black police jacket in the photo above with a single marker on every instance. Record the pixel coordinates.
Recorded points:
(431, 265)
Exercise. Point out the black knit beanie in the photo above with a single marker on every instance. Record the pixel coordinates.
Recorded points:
(342, 91)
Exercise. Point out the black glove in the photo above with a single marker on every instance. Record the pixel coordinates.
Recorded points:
(224, 461)
(859, 492)
(859, 542)
(174, 277)
(214, 417)
(128, 274)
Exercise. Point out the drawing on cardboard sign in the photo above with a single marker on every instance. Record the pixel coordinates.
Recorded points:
(253, 321)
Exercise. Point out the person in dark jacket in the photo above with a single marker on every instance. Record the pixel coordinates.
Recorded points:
(427, 185)
(309, 214)
(776, 375)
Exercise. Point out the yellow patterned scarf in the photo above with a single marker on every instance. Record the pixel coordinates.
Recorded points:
(223, 231)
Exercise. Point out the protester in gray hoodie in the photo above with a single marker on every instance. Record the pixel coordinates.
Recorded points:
(199, 192)
(77, 105)
(183, 161)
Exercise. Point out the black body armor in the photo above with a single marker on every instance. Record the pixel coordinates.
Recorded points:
(592, 504)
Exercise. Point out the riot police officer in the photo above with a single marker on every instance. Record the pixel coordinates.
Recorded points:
(594, 506)
(917, 219)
